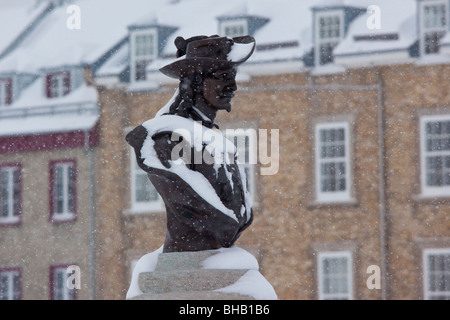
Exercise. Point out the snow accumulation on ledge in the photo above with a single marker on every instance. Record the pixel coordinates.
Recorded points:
(34, 114)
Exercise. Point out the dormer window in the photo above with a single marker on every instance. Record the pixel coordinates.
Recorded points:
(240, 25)
(58, 84)
(234, 27)
(5, 91)
(433, 25)
(144, 48)
(329, 30)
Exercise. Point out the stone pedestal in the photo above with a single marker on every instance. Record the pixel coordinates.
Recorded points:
(230, 274)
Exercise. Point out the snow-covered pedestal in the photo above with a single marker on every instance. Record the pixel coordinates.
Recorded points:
(227, 273)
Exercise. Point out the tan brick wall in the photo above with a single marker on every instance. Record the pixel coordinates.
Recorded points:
(110, 188)
(410, 91)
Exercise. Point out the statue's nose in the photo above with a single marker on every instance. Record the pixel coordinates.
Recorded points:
(232, 85)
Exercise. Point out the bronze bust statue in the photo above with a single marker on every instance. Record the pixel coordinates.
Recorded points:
(207, 202)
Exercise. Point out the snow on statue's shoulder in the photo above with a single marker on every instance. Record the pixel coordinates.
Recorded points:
(214, 142)
(192, 131)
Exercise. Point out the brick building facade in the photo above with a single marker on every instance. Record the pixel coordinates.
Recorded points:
(51, 208)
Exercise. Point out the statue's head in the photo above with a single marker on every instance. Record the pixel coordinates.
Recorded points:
(207, 67)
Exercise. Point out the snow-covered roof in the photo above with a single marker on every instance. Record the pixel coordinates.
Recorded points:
(15, 18)
(51, 44)
(34, 114)
(47, 123)
(397, 29)
(103, 23)
(287, 35)
(343, 3)
(287, 20)
(33, 97)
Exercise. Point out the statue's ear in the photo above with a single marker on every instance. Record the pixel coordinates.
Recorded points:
(196, 82)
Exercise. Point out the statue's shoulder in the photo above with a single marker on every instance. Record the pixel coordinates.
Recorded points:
(167, 121)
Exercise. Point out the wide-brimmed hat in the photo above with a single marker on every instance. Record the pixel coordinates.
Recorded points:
(208, 54)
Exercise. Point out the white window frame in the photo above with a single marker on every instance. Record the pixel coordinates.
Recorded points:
(141, 206)
(65, 214)
(319, 41)
(333, 196)
(427, 274)
(12, 291)
(147, 58)
(60, 290)
(13, 214)
(247, 154)
(427, 190)
(234, 24)
(321, 276)
(431, 29)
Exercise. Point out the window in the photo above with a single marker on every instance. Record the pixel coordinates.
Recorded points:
(436, 266)
(433, 25)
(332, 162)
(10, 197)
(329, 32)
(144, 196)
(62, 190)
(234, 28)
(10, 284)
(5, 91)
(144, 48)
(59, 290)
(245, 143)
(335, 275)
(58, 84)
(435, 155)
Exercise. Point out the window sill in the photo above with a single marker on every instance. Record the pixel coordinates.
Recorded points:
(430, 197)
(144, 211)
(328, 69)
(142, 86)
(10, 222)
(348, 202)
(433, 59)
(62, 218)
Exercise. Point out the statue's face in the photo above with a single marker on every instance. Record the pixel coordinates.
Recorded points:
(218, 89)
